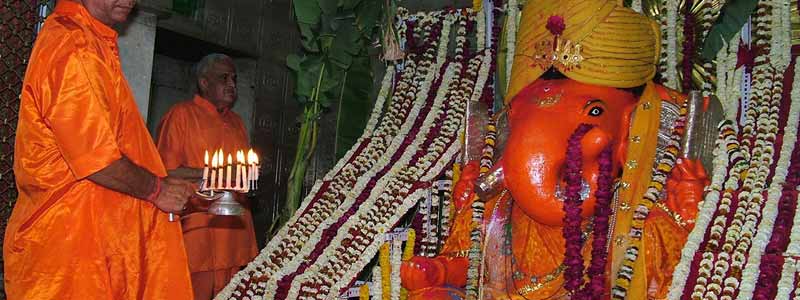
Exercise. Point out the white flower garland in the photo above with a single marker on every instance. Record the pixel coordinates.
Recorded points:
(512, 20)
(396, 259)
(765, 228)
(671, 75)
(761, 119)
(321, 262)
(480, 34)
(386, 214)
(681, 272)
(268, 259)
(780, 44)
(790, 267)
(389, 122)
(636, 5)
(376, 291)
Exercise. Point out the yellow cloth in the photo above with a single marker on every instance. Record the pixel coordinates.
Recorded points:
(618, 46)
(69, 238)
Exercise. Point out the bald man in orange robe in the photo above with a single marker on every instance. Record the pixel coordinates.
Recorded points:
(217, 246)
(91, 220)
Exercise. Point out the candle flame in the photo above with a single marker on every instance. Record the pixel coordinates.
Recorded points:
(230, 159)
(250, 155)
(240, 156)
(213, 160)
(220, 158)
(205, 158)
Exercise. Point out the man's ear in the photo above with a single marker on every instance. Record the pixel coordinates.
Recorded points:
(621, 151)
(202, 84)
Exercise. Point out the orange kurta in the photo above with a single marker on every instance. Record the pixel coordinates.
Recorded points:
(213, 243)
(69, 238)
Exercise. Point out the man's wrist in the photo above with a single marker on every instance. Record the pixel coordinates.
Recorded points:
(155, 191)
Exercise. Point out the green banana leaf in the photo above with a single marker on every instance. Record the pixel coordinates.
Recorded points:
(732, 17)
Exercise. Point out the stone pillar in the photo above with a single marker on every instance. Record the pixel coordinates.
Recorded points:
(137, 40)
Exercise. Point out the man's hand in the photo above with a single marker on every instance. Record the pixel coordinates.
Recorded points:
(174, 194)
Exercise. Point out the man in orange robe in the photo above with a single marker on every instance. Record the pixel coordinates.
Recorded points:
(217, 246)
(91, 220)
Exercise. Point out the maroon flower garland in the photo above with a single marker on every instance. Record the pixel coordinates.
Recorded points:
(573, 259)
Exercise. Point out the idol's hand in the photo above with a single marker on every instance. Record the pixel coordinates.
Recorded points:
(465, 187)
(685, 189)
(174, 195)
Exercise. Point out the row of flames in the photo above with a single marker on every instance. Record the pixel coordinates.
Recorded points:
(222, 175)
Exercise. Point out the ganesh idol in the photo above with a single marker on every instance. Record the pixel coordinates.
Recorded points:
(594, 200)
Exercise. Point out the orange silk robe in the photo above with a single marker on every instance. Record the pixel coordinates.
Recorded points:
(213, 243)
(69, 238)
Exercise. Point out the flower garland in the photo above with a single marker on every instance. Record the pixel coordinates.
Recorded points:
(719, 273)
(386, 271)
(636, 5)
(474, 254)
(285, 246)
(573, 259)
(725, 144)
(660, 173)
(782, 193)
(780, 44)
(446, 189)
(377, 277)
(383, 206)
(761, 119)
(775, 192)
(262, 265)
(363, 292)
(430, 65)
(671, 72)
(512, 19)
(316, 267)
(396, 260)
(687, 64)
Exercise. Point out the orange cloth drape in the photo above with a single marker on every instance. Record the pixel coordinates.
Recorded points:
(213, 243)
(69, 238)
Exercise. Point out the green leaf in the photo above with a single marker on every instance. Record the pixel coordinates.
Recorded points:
(369, 17)
(350, 4)
(309, 38)
(293, 61)
(353, 104)
(732, 17)
(329, 7)
(307, 75)
(307, 11)
(344, 46)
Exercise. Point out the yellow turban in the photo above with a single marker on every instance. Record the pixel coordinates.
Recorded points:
(598, 42)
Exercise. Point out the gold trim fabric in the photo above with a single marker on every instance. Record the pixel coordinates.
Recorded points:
(617, 46)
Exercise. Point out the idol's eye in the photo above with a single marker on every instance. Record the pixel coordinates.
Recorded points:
(596, 111)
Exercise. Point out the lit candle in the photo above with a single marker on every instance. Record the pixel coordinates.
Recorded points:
(205, 171)
(256, 171)
(245, 175)
(220, 164)
(213, 172)
(250, 163)
(228, 169)
(239, 159)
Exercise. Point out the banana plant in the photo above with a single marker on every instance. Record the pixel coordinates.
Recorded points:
(333, 66)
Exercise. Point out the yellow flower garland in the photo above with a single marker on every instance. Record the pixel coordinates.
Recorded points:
(363, 292)
(386, 272)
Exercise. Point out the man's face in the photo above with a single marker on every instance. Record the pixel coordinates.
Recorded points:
(109, 12)
(219, 83)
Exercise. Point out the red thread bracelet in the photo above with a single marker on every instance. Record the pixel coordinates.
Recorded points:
(152, 197)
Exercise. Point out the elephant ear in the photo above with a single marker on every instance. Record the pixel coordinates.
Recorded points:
(702, 128)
